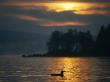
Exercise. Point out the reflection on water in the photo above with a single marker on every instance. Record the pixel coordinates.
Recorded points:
(77, 69)
(17, 69)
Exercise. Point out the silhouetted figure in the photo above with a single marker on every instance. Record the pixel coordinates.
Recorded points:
(61, 74)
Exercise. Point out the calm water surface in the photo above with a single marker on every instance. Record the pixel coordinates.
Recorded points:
(18, 69)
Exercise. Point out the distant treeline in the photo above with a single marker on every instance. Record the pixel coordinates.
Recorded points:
(79, 43)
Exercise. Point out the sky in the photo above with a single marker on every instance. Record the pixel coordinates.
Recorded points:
(38, 18)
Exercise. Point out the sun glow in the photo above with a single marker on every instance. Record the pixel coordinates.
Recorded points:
(77, 7)
(82, 8)
(61, 6)
(67, 6)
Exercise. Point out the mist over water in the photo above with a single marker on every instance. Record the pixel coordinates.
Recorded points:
(18, 69)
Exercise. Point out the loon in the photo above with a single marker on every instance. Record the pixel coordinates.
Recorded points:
(61, 74)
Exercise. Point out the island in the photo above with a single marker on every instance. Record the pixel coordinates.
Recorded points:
(75, 43)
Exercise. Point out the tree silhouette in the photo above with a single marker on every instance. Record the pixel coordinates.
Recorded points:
(54, 42)
(106, 41)
(103, 41)
(67, 41)
(85, 40)
(100, 40)
(70, 42)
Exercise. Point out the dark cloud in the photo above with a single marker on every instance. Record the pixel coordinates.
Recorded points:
(13, 19)
(52, 15)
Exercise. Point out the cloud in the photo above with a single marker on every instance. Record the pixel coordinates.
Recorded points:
(52, 18)
(30, 14)
(54, 0)
(27, 18)
(66, 23)
(47, 22)
(80, 8)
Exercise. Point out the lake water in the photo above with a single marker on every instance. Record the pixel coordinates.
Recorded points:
(18, 69)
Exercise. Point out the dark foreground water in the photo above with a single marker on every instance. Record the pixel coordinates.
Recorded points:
(18, 69)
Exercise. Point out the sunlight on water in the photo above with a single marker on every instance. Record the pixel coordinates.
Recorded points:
(18, 69)
(77, 69)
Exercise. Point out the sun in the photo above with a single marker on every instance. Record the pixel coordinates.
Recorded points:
(62, 6)
(67, 6)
